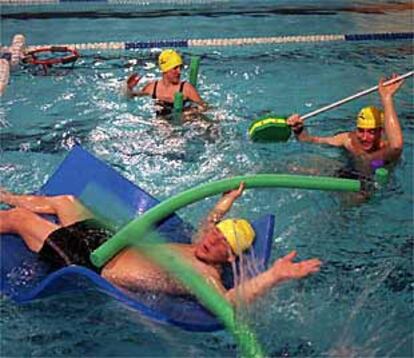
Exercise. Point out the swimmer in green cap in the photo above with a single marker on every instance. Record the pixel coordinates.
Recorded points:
(163, 91)
(378, 134)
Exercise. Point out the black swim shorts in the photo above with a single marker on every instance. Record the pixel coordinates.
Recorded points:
(347, 172)
(73, 244)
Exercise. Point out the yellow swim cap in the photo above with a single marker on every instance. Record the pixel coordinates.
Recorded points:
(370, 117)
(169, 59)
(238, 233)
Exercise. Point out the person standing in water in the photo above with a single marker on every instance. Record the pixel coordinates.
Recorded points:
(164, 90)
(377, 136)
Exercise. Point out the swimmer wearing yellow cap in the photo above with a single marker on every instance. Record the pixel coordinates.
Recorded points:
(238, 233)
(168, 60)
(219, 242)
(378, 134)
(163, 91)
(230, 237)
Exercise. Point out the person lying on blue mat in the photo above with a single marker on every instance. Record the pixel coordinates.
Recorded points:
(77, 234)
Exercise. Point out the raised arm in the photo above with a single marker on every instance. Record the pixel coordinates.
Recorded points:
(301, 134)
(218, 212)
(224, 204)
(282, 270)
(392, 126)
(131, 82)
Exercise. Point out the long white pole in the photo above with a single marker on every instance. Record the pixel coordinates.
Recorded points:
(355, 96)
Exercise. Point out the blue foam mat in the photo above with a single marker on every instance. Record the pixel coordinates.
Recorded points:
(24, 277)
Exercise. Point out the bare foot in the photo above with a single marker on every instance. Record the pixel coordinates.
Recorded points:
(6, 197)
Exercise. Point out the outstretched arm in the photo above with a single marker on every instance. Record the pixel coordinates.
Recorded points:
(301, 134)
(282, 270)
(392, 126)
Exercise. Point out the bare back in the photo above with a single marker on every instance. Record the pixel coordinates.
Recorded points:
(134, 271)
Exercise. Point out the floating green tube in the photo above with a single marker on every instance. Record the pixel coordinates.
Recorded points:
(173, 263)
(178, 103)
(139, 226)
(194, 66)
(169, 260)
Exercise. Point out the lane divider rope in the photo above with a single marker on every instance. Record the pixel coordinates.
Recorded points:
(245, 41)
(105, 2)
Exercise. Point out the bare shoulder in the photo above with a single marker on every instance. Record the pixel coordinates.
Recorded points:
(345, 137)
(188, 87)
(190, 91)
(148, 87)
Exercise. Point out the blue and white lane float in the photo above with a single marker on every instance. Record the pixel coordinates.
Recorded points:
(244, 41)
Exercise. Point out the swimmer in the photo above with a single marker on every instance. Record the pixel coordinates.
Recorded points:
(163, 90)
(10, 58)
(378, 134)
(77, 234)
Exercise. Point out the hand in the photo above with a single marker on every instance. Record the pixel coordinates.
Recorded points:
(284, 269)
(236, 192)
(387, 91)
(296, 123)
(133, 80)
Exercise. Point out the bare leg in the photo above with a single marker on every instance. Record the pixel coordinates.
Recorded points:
(31, 227)
(36, 203)
(67, 208)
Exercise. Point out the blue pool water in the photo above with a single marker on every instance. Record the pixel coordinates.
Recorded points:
(360, 304)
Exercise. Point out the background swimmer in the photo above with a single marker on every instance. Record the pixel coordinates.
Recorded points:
(163, 90)
(377, 136)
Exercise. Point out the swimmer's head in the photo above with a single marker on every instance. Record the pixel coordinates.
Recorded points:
(370, 118)
(238, 233)
(369, 128)
(168, 60)
(223, 242)
(19, 38)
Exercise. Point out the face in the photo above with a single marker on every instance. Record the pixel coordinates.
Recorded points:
(213, 248)
(369, 139)
(173, 75)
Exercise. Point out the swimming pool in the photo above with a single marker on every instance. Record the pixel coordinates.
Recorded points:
(360, 304)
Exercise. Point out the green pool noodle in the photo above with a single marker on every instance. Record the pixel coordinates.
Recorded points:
(172, 262)
(139, 226)
(178, 102)
(194, 66)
